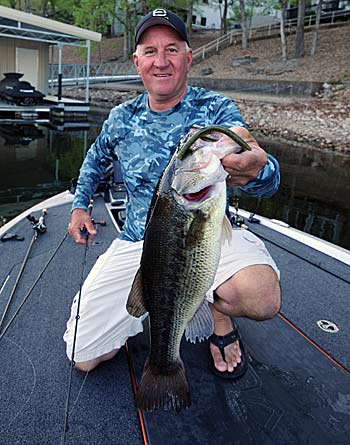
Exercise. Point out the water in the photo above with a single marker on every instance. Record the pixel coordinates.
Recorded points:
(38, 161)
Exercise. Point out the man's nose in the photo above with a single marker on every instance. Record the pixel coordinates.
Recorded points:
(161, 59)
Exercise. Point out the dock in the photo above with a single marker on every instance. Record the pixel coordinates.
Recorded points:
(51, 110)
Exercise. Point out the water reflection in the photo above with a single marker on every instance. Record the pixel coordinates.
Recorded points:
(38, 161)
(19, 134)
(314, 192)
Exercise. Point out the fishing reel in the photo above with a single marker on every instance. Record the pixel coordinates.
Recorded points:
(38, 224)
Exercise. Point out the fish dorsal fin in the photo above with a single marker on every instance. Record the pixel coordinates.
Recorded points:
(201, 326)
(135, 305)
(226, 231)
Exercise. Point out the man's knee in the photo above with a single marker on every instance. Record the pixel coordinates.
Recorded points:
(253, 292)
(89, 365)
(270, 300)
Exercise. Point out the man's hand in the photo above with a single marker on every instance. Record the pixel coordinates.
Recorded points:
(244, 166)
(80, 219)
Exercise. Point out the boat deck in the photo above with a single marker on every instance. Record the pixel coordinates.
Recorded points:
(297, 389)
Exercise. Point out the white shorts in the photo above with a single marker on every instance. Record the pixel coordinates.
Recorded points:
(104, 323)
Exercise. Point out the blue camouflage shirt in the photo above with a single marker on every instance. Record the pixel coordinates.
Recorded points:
(144, 140)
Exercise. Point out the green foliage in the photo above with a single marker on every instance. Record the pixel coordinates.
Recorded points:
(96, 15)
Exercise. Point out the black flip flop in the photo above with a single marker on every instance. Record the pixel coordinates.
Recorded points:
(223, 340)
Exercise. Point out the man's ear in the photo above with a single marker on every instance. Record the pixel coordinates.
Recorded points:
(189, 59)
(136, 61)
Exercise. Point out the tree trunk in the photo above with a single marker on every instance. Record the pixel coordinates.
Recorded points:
(317, 28)
(243, 24)
(282, 4)
(299, 40)
(126, 45)
(145, 8)
(189, 19)
(224, 17)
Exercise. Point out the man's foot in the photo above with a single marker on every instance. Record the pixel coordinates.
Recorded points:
(222, 326)
(226, 348)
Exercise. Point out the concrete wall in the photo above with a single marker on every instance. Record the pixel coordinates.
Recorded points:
(8, 59)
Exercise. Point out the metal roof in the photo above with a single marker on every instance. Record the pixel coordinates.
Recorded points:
(21, 25)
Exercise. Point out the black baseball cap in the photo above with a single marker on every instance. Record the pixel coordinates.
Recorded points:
(161, 16)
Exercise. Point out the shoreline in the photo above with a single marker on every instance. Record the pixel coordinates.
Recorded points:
(320, 122)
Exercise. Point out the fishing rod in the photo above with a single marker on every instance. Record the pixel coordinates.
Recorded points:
(32, 287)
(102, 223)
(39, 228)
(85, 234)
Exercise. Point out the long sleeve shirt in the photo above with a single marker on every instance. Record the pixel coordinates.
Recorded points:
(143, 141)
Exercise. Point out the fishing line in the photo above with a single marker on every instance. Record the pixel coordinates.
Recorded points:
(301, 257)
(39, 228)
(6, 280)
(85, 233)
(79, 392)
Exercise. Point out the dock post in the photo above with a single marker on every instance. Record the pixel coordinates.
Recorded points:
(87, 70)
(59, 77)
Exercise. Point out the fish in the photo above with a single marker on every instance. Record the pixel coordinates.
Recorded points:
(185, 228)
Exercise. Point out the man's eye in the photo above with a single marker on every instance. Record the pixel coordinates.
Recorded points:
(172, 50)
(148, 52)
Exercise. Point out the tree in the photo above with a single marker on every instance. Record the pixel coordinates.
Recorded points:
(282, 4)
(299, 39)
(224, 18)
(243, 24)
(317, 28)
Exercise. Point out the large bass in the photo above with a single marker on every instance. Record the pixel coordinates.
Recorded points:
(185, 229)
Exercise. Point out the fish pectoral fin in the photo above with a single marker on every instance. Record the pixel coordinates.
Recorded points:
(201, 325)
(195, 228)
(226, 231)
(135, 304)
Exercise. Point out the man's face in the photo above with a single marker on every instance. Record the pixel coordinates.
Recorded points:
(163, 63)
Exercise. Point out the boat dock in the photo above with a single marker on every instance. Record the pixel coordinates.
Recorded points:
(52, 109)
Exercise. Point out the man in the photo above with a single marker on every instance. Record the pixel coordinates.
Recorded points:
(143, 133)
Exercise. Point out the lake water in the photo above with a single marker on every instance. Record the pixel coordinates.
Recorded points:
(37, 161)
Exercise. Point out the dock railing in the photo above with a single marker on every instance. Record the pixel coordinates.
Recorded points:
(265, 31)
(101, 72)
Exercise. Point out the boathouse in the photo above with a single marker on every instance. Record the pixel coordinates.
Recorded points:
(27, 45)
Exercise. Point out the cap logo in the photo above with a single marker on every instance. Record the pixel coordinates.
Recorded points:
(159, 12)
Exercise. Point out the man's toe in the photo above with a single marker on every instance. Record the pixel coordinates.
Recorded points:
(219, 362)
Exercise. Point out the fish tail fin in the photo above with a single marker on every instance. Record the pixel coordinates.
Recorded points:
(165, 391)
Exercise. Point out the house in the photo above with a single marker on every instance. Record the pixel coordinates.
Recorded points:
(27, 43)
(207, 15)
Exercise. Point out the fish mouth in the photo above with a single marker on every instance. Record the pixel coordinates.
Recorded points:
(198, 196)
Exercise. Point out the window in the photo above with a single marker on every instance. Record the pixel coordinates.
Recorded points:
(203, 21)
